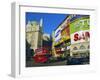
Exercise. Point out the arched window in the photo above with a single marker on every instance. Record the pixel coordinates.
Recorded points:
(82, 47)
(75, 48)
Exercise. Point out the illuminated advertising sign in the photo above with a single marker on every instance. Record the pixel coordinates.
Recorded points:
(80, 36)
(57, 34)
(65, 33)
(79, 29)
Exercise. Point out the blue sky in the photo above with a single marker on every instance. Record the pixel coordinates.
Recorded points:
(50, 21)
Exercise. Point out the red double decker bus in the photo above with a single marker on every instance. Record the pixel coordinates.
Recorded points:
(41, 55)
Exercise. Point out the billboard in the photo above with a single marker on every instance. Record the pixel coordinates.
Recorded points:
(79, 28)
(65, 33)
(57, 34)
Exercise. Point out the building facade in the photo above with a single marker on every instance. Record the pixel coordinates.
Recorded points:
(80, 36)
(72, 36)
(61, 39)
(34, 34)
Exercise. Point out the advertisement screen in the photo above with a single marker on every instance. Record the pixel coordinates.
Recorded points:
(79, 28)
(65, 33)
(57, 34)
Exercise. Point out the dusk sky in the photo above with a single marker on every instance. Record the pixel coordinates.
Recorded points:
(50, 21)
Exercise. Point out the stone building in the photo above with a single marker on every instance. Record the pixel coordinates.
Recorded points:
(34, 34)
